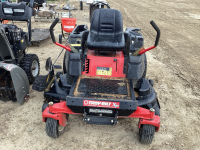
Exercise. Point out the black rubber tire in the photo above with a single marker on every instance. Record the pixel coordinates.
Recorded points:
(81, 5)
(52, 128)
(69, 78)
(26, 66)
(146, 133)
(60, 38)
(65, 62)
(151, 82)
(157, 109)
(145, 67)
(44, 106)
(139, 82)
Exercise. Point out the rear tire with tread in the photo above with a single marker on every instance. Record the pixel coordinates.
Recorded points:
(139, 82)
(26, 65)
(146, 133)
(69, 78)
(65, 62)
(145, 66)
(157, 109)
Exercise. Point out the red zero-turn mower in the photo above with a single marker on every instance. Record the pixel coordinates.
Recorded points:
(103, 81)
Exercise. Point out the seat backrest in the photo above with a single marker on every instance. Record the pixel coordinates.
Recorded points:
(107, 21)
(106, 30)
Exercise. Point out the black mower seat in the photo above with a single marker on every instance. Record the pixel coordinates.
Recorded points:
(106, 30)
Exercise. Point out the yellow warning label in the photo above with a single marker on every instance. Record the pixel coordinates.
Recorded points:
(104, 71)
(47, 78)
(75, 44)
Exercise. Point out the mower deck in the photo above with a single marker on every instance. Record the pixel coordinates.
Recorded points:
(101, 87)
(39, 35)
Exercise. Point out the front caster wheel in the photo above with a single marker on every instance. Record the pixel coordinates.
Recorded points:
(53, 129)
(146, 133)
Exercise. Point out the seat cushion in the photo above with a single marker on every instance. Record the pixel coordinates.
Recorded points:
(106, 30)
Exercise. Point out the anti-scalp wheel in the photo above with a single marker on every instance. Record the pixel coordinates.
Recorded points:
(53, 129)
(146, 133)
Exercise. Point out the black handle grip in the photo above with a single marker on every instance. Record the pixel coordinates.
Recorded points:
(51, 29)
(157, 30)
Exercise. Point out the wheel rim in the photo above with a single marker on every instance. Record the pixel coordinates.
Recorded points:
(34, 68)
(60, 128)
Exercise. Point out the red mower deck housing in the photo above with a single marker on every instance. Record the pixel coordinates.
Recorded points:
(57, 111)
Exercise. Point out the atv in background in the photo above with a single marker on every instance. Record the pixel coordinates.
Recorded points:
(17, 68)
(94, 5)
(97, 4)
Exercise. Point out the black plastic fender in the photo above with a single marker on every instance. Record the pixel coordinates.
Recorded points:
(20, 80)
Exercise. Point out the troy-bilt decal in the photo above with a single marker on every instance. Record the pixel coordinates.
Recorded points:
(104, 104)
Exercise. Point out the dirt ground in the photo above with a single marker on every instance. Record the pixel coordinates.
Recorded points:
(173, 65)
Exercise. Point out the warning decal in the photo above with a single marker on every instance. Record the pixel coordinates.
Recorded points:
(104, 71)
